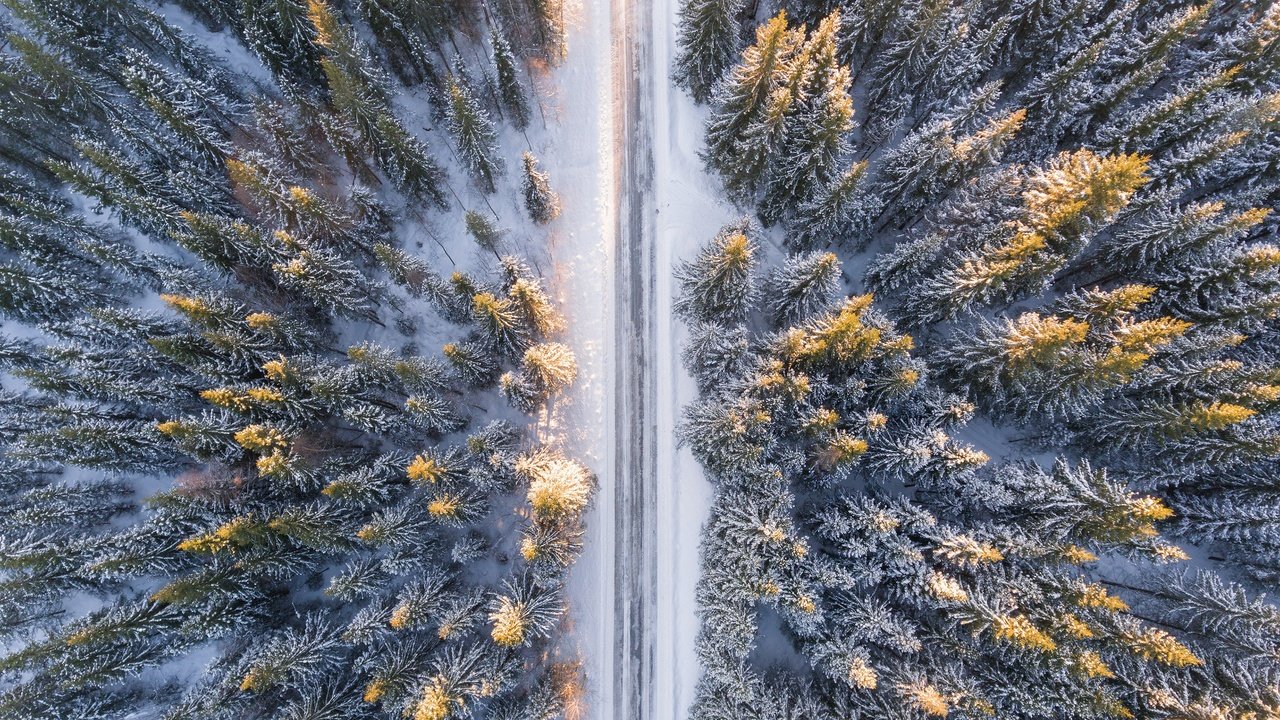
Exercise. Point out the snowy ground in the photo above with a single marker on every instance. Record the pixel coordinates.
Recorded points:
(579, 156)
(689, 212)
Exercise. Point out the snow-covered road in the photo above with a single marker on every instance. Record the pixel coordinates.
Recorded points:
(624, 157)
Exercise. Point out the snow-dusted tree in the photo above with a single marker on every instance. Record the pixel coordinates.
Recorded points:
(718, 284)
(709, 44)
(714, 352)
(503, 328)
(805, 285)
(1077, 507)
(524, 612)
(473, 132)
(329, 281)
(815, 130)
(474, 364)
(550, 366)
(559, 487)
(509, 88)
(295, 657)
(836, 213)
(541, 202)
(746, 111)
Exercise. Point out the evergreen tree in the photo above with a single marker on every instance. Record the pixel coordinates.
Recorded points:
(805, 285)
(540, 200)
(718, 285)
(280, 34)
(708, 45)
(509, 89)
(835, 213)
(746, 107)
(473, 133)
(523, 613)
(486, 234)
(814, 133)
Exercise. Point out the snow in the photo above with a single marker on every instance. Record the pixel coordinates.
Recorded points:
(689, 213)
(579, 157)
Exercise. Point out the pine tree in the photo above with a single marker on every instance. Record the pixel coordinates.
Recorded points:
(294, 656)
(194, 112)
(558, 486)
(1159, 235)
(408, 161)
(718, 284)
(509, 89)
(814, 136)
(836, 213)
(549, 26)
(329, 281)
(708, 44)
(397, 31)
(1076, 192)
(523, 613)
(498, 319)
(358, 92)
(486, 234)
(932, 34)
(1138, 58)
(459, 675)
(549, 366)
(475, 366)
(930, 163)
(280, 34)
(473, 133)
(1078, 506)
(1153, 125)
(745, 105)
(541, 202)
(804, 286)
(714, 352)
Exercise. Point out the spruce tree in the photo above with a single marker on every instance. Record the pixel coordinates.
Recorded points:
(814, 131)
(509, 87)
(473, 133)
(541, 202)
(743, 103)
(717, 285)
(804, 286)
(708, 45)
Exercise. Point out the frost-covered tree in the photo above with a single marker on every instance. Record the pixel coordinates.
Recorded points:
(709, 44)
(804, 286)
(540, 201)
(473, 132)
(718, 284)
(509, 88)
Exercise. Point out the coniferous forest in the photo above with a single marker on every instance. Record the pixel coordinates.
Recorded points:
(303, 393)
(990, 369)
(260, 459)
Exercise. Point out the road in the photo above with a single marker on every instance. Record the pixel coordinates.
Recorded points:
(667, 206)
(635, 460)
(636, 202)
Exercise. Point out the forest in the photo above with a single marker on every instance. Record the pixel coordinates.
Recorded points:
(261, 457)
(356, 361)
(988, 370)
